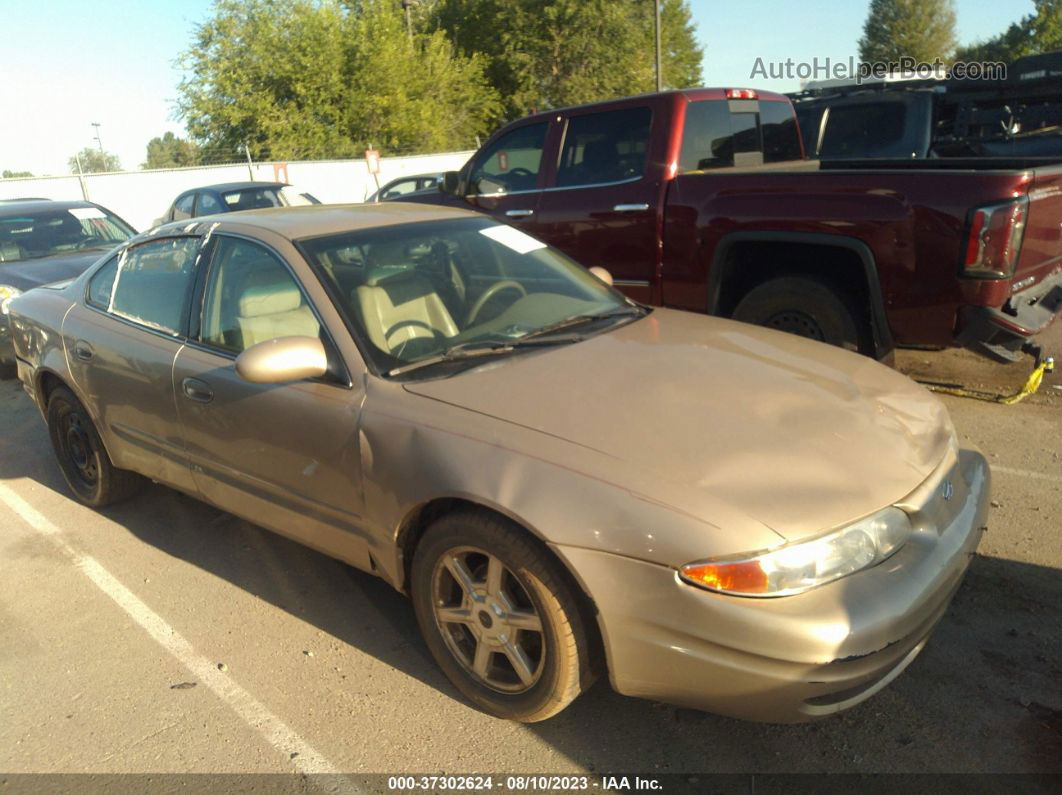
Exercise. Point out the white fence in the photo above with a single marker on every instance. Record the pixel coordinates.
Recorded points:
(142, 196)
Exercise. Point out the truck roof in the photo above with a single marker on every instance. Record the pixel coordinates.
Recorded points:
(692, 94)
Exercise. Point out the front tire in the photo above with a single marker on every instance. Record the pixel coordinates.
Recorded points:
(802, 306)
(499, 617)
(82, 458)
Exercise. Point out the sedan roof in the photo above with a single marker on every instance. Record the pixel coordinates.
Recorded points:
(14, 208)
(221, 187)
(297, 223)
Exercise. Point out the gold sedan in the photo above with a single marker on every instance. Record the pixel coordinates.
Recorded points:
(567, 484)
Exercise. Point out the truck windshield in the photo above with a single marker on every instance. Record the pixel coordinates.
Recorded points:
(414, 291)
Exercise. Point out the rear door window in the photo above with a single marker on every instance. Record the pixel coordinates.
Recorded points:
(604, 147)
(152, 283)
(208, 205)
(182, 208)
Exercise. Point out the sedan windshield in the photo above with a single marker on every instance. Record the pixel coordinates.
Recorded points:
(262, 198)
(442, 290)
(47, 232)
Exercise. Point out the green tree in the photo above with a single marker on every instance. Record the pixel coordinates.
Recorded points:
(1036, 33)
(169, 151)
(320, 78)
(16, 174)
(921, 29)
(94, 161)
(549, 53)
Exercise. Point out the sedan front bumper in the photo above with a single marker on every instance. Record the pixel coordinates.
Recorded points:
(795, 658)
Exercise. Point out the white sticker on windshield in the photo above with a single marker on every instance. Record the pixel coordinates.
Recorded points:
(85, 213)
(513, 238)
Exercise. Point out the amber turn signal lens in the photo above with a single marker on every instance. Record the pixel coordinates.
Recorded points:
(744, 577)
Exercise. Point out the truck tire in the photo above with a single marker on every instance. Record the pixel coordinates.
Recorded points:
(803, 306)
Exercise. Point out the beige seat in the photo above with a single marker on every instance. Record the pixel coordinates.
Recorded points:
(398, 306)
(269, 309)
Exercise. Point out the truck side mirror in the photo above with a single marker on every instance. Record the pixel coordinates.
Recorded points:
(450, 182)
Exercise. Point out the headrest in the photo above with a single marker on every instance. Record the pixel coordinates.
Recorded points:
(393, 276)
(600, 153)
(269, 300)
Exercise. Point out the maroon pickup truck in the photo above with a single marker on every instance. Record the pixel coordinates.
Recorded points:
(701, 200)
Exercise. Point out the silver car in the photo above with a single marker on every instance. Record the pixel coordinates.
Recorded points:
(567, 484)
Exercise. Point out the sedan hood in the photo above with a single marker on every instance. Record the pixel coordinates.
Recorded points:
(28, 273)
(797, 435)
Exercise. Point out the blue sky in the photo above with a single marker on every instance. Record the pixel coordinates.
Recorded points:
(68, 63)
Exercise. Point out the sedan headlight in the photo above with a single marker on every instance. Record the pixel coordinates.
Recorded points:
(7, 292)
(798, 567)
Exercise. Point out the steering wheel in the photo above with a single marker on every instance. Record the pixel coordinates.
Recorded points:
(489, 293)
(520, 171)
(435, 333)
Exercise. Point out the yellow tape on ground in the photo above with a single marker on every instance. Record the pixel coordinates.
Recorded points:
(1036, 377)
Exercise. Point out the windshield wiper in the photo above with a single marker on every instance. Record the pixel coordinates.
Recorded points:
(581, 319)
(474, 349)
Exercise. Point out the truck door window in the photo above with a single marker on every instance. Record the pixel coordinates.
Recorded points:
(780, 138)
(511, 163)
(604, 147)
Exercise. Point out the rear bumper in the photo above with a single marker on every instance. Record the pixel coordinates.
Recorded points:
(1000, 333)
(796, 658)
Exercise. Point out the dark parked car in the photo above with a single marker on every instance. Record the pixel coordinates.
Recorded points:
(44, 241)
(401, 188)
(231, 197)
(1014, 117)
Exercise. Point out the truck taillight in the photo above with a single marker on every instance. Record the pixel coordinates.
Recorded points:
(741, 93)
(995, 239)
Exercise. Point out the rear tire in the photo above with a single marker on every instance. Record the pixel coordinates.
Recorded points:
(82, 458)
(802, 306)
(499, 617)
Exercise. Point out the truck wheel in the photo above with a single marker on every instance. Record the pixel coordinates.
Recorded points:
(499, 617)
(82, 458)
(802, 306)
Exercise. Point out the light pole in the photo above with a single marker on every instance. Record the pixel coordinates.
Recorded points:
(656, 25)
(96, 124)
(406, 6)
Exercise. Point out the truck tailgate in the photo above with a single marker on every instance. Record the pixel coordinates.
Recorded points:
(1041, 251)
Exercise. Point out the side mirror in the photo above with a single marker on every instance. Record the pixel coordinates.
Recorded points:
(281, 360)
(449, 183)
(602, 274)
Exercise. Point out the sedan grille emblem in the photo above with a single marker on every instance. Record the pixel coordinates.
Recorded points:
(948, 490)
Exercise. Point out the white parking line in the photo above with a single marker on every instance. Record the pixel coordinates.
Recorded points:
(304, 757)
(1027, 474)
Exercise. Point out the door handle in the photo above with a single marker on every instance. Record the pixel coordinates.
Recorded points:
(519, 213)
(83, 351)
(630, 208)
(197, 390)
